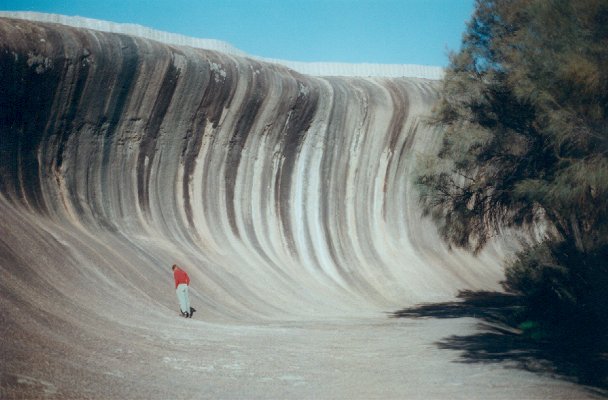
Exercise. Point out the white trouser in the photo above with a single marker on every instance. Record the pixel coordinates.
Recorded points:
(182, 297)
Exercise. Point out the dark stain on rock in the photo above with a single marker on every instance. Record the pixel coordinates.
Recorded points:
(300, 116)
(74, 75)
(336, 119)
(256, 94)
(147, 148)
(29, 79)
(400, 113)
(218, 91)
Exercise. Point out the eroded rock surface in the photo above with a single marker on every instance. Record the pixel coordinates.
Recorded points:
(286, 197)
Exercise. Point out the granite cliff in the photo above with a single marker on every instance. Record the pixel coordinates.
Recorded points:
(287, 197)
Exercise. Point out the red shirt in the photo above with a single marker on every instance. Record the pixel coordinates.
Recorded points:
(180, 277)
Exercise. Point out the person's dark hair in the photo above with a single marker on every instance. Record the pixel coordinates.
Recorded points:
(173, 267)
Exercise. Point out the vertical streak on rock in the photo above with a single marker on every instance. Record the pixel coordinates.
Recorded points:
(148, 145)
(68, 116)
(81, 142)
(192, 145)
(248, 112)
(116, 110)
(331, 210)
(217, 92)
(300, 117)
(400, 108)
(29, 80)
(74, 76)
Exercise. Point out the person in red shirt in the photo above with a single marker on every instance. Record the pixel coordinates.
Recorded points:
(182, 282)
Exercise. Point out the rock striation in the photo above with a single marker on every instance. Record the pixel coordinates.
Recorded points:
(275, 186)
(285, 196)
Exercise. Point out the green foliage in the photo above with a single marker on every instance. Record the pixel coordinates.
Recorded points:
(524, 111)
(533, 330)
(565, 288)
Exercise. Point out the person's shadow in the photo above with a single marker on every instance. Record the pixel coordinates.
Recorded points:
(501, 338)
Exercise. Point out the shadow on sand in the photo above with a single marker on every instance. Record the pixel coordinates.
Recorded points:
(499, 339)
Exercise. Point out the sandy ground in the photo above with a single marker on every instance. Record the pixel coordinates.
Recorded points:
(369, 358)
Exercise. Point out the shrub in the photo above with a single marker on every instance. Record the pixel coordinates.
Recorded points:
(565, 290)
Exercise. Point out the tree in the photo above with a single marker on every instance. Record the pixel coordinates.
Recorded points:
(524, 111)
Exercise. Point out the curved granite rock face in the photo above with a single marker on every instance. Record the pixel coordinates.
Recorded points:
(284, 196)
(281, 193)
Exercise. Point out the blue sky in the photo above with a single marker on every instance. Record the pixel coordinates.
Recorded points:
(374, 31)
